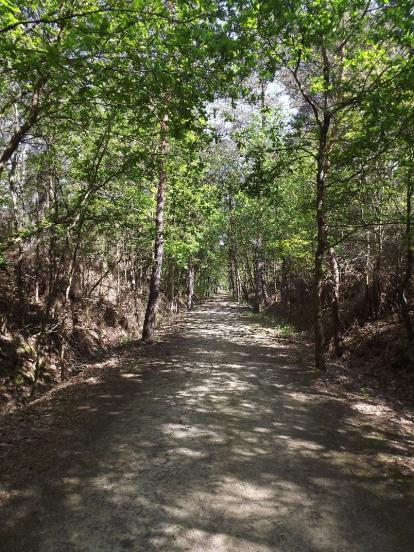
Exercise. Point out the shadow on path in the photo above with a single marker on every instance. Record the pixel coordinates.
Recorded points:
(216, 440)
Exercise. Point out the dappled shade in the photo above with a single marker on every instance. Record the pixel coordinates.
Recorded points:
(218, 439)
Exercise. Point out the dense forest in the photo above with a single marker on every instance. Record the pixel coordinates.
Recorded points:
(153, 152)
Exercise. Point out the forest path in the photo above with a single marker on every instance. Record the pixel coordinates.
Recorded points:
(216, 439)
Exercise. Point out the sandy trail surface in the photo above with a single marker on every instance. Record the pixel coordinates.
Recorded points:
(217, 438)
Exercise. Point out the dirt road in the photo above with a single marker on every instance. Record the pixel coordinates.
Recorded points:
(216, 439)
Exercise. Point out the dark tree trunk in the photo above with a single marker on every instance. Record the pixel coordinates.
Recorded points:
(284, 285)
(19, 269)
(406, 282)
(322, 170)
(24, 128)
(155, 280)
(376, 277)
(367, 277)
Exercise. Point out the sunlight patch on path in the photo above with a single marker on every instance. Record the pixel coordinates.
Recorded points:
(218, 441)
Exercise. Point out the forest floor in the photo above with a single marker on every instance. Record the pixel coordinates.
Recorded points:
(218, 437)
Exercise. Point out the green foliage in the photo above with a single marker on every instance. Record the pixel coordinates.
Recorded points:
(88, 83)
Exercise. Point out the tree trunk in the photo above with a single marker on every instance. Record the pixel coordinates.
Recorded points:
(190, 285)
(231, 279)
(235, 274)
(406, 282)
(321, 175)
(155, 281)
(238, 284)
(367, 277)
(376, 276)
(258, 266)
(265, 295)
(22, 130)
(284, 285)
(172, 287)
(335, 304)
(16, 227)
(249, 276)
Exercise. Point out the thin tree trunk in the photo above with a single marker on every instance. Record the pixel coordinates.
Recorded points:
(16, 228)
(24, 128)
(284, 285)
(231, 279)
(155, 281)
(376, 277)
(238, 284)
(235, 275)
(367, 283)
(322, 170)
(335, 304)
(258, 266)
(406, 282)
(249, 276)
(190, 285)
(265, 295)
(54, 279)
(172, 286)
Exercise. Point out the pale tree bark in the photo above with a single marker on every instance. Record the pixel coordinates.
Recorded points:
(172, 286)
(235, 273)
(250, 282)
(338, 339)
(258, 289)
(190, 284)
(265, 295)
(230, 276)
(155, 280)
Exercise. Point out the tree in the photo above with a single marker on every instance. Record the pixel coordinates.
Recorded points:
(336, 55)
